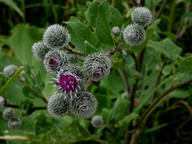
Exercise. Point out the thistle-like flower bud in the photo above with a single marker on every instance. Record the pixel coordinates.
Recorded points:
(141, 16)
(78, 71)
(58, 105)
(97, 121)
(39, 50)
(97, 66)
(73, 59)
(56, 36)
(14, 123)
(8, 113)
(134, 35)
(84, 105)
(2, 102)
(116, 30)
(70, 80)
(9, 70)
(55, 60)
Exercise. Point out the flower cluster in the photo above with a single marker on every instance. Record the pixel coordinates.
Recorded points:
(134, 34)
(9, 114)
(71, 96)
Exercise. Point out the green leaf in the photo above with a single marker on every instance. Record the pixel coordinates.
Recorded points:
(89, 48)
(119, 109)
(81, 34)
(91, 13)
(181, 94)
(117, 18)
(27, 106)
(42, 124)
(186, 62)
(127, 119)
(21, 41)
(3, 80)
(12, 5)
(103, 29)
(167, 48)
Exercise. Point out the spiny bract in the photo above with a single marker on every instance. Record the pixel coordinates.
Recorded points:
(8, 113)
(39, 50)
(14, 123)
(84, 106)
(2, 102)
(73, 59)
(9, 70)
(70, 80)
(134, 35)
(54, 61)
(141, 16)
(56, 36)
(97, 66)
(58, 105)
(97, 121)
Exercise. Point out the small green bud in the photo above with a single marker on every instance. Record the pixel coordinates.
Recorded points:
(141, 16)
(116, 30)
(14, 123)
(84, 105)
(9, 70)
(2, 102)
(134, 35)
(97, 121)
(39, 50)
(8, 113)
(56, 36)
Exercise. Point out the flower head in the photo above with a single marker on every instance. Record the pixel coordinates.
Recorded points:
(68, 83)
(97, 66)
(2, 102)
(54, 61)
(9, 70)
(141, 16)
(134, 35)
(58, 105)
(14, 123)
(39, 50)
(8, 113)
(56, 36)
(84, 105)
(97, 121)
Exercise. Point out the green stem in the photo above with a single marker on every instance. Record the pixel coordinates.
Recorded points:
(17, 73)
(159, 100)
(171, 17)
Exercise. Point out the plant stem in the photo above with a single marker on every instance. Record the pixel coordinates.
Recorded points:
(35, 92)
(134, 3)
(17, 106)
(158, 100)
(113, 50)
(139, 64)
(142, 2)
(17, 73)
(124, 78)
(161, 9)
(171, 16)
(71, 51)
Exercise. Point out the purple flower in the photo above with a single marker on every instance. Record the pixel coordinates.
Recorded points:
(68, 83)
